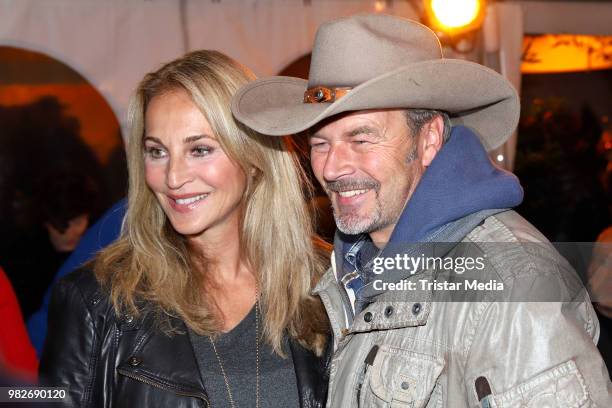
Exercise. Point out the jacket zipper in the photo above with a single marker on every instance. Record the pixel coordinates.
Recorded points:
(346, 300)
(163, 387)
(367, 363)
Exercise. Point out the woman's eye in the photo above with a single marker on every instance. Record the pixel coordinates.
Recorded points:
(154, 152)
(201, 151)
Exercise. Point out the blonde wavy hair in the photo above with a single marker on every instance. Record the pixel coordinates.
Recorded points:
(151, 262)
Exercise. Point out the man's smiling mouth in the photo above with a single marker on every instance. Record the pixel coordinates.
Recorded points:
(352, 193)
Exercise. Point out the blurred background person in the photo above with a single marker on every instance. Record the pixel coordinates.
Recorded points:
(51, 187)
(102, 233)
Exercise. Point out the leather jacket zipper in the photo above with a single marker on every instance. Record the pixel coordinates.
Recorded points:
(165, 387)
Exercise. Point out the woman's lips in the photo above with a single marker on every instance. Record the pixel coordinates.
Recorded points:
(186, 203)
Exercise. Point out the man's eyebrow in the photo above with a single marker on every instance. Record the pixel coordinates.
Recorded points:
(361, 130)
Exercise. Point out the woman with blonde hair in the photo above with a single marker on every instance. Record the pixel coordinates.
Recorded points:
(204, 300)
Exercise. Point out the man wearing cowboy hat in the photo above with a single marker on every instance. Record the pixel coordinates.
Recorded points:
(439, 294)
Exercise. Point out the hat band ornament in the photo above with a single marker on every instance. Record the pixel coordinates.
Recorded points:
(320, 94)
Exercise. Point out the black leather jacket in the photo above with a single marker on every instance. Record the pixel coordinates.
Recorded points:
(117, 361)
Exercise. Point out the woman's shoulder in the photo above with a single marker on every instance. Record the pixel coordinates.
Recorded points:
(82, 279)
(81, 286)
(81, 290)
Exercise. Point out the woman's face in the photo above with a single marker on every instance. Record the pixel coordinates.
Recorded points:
(197, 185)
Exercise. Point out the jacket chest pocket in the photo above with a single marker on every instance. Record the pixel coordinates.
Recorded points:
(139, 388)
(400, 378)
(560, 386)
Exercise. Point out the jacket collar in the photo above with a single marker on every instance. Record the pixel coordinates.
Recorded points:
(390, 310)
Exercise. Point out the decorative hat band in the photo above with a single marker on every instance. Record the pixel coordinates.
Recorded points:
(319, 94)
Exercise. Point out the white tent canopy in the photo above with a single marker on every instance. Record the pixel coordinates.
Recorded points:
(113, 43)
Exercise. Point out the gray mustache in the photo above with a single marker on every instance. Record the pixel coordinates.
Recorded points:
(348, 185)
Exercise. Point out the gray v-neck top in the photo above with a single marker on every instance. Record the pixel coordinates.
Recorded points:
(277, 382)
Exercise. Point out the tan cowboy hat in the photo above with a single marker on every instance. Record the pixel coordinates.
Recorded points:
(376, 61)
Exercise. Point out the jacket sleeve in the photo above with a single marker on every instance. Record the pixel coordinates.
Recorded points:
(71, 347)
(535, 354)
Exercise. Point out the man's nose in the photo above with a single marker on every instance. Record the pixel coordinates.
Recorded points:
(177, 173)
(339, 162)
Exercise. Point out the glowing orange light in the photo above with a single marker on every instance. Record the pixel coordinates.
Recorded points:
(454, 16)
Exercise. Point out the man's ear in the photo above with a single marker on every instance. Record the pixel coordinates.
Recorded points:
(431, 140)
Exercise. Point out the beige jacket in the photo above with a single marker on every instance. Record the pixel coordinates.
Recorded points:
(418, 353)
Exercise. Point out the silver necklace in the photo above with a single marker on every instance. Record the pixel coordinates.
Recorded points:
(227, 386)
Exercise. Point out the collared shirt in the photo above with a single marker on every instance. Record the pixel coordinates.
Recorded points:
(356, 269)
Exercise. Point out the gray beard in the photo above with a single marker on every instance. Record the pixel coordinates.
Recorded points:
(353, 225)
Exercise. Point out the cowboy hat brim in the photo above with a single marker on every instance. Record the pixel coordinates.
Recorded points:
(473, 95)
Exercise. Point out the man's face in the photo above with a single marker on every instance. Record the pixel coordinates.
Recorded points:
(367, 163)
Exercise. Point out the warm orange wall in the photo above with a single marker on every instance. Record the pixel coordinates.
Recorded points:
(565, 53)
(99, 126)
